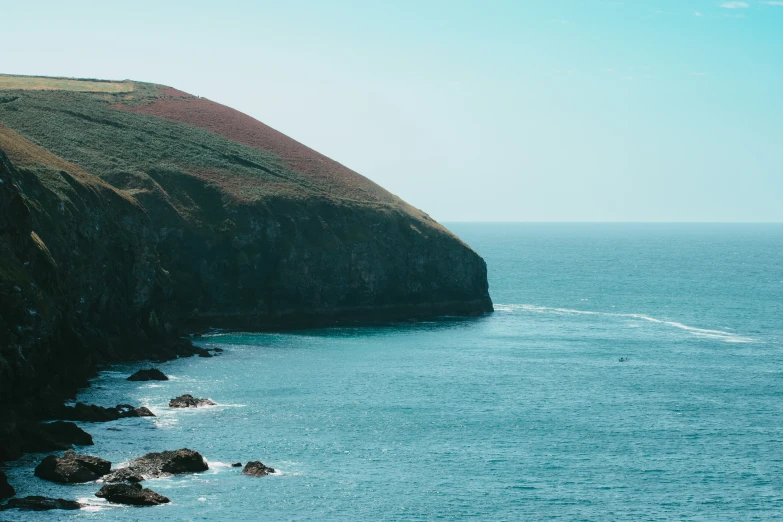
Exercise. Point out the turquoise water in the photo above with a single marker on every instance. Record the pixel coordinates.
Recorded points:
(527, 414)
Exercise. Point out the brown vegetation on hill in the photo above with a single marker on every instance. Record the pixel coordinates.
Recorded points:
(181, 107)
(24, 152)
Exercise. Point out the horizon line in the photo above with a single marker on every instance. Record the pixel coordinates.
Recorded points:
(616, 222)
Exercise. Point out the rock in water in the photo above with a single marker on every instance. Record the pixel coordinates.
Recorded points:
(72, 468)
(131, 494)
(6, 489)
(188, 401)
(169, 462)
(126, 410)
(36, 503)
(68, 432)
(129, 475)
(51, 436)
(92, 413)
(257, 469)
(236, 465)
(153, 374)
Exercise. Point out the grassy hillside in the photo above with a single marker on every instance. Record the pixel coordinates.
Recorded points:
(157, 127)
(252, 227)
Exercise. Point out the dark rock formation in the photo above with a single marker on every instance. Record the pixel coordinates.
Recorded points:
(36, 503)
(188, 401)
(6, 489)
(72, 468)
(92, 413)
(78, 277)
(169, 462)
(236, 465)
(153, 374)
(19, 435)
(129, 475)
(131, 494)
(257, 469)
(65, 433)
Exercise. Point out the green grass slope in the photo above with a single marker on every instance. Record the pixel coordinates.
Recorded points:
(252, 228)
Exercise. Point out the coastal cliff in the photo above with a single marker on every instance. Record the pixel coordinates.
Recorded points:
(131, 214)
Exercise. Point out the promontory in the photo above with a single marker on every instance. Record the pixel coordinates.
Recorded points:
(132, 214)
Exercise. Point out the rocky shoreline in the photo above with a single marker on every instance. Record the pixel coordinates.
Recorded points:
(118, 485)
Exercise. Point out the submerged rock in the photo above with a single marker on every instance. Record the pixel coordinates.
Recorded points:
(37, 503)
(129, 475)
(257, 469)
(131, 494)
(169, 462)
(188, 401)
(152, 374)
(72, 468)
(6, 489)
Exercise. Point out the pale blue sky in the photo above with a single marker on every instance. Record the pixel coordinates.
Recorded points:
(571, 110)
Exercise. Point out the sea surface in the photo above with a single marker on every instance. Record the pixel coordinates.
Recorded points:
(525, 414)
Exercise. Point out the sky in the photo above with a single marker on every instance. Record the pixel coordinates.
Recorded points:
(522, 110)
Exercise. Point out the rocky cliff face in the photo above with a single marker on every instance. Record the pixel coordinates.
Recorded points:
(78, 279)
(128, 218)
(294, 263)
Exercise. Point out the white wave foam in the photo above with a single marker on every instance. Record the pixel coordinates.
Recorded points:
(94, 504)
(721, 335)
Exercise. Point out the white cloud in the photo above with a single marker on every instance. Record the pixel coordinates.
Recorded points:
(774, 2)
(697, 13)
(734, 5)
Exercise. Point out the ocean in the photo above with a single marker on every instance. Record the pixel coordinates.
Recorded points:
(629, 372)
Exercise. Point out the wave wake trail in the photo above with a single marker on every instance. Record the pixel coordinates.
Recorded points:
(721, 335)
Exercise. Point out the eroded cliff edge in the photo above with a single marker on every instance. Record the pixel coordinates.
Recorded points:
(128, 219)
